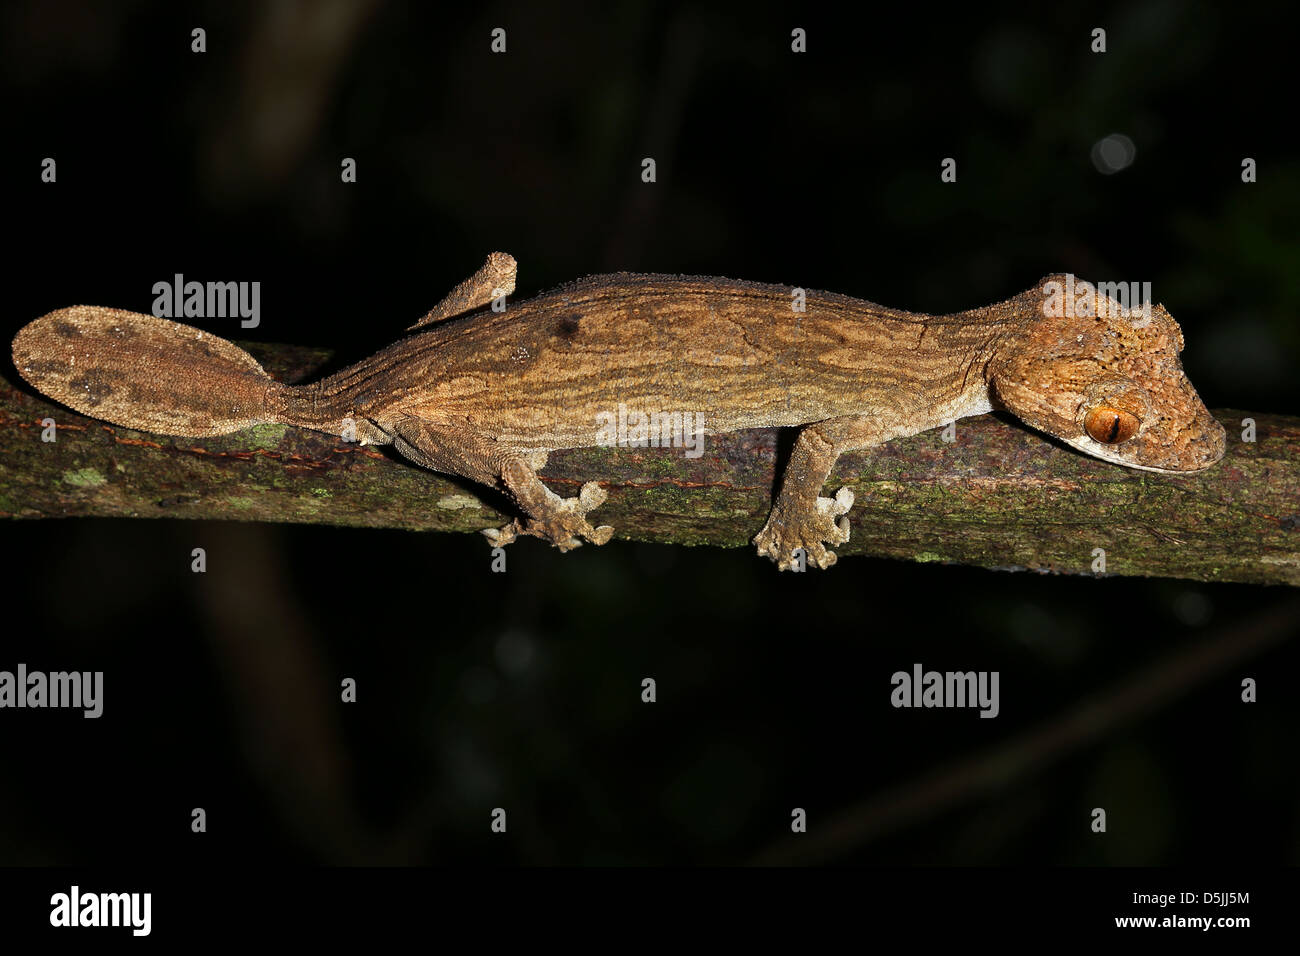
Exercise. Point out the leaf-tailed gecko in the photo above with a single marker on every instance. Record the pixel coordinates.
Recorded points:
(486, 394)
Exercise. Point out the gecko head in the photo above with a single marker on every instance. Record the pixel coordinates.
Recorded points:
(1104, 377)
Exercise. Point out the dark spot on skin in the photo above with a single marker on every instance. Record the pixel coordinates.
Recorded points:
(67, 330)
(567, 327)
(91, 389)
(1291, 524)
(42, 368)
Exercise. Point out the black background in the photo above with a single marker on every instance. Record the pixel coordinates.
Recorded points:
(522, 690)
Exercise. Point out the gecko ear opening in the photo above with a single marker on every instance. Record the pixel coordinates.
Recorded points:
(1109, 425)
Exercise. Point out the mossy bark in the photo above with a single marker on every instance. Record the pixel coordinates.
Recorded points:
(999, 496)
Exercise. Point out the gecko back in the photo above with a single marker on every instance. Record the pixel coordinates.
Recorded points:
(145, 373)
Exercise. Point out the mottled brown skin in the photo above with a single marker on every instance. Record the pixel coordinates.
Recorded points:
(487, 395)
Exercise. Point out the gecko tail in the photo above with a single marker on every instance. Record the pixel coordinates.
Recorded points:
(145, 373)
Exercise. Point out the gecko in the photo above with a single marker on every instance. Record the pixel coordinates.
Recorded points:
(485, 391)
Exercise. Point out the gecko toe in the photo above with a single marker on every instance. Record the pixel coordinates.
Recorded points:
(567, 545)
(500, 537)
(591, 496)
(820, 556)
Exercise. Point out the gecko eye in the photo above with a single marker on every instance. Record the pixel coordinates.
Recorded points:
(1110, 426)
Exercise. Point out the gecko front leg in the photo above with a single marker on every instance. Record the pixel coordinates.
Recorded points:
(801, 518)
(561, 521)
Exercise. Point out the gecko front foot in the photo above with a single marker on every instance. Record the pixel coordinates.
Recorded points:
(809, 529)
(564, 523)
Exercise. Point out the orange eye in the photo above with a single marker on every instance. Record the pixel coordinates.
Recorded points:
(1110, 426)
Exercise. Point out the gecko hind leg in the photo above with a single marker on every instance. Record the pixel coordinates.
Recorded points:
(494, 278)
(561, 521)
(801, 519)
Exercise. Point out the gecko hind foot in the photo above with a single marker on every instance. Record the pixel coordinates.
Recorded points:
(565, 524)
(809, 529)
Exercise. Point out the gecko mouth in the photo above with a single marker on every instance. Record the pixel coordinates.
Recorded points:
(1208, 458)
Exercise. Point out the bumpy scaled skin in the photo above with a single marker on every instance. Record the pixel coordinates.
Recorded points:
(487, 395)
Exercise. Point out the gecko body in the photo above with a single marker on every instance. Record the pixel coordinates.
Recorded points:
(487, 394)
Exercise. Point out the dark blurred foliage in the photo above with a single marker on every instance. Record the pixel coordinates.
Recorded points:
(522, 690)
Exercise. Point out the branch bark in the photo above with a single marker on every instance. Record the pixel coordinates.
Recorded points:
(1000, 496)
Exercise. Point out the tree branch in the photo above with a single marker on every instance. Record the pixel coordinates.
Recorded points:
(1000, 496)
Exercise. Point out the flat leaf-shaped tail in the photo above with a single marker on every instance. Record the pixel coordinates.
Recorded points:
(145, 373)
